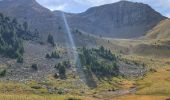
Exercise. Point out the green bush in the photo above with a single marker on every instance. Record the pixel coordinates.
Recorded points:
(2, 72)
(50, 40)
(48, 56)
(62, 70)
(71, 98)
(34, 67)
(153, 70)
(36, 87)
(20, 59)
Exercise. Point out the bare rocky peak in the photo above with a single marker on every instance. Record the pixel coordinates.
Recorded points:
(123, 13)
(123, 19)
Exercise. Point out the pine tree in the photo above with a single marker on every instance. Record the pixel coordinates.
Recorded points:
(50, 40)
(25, 26)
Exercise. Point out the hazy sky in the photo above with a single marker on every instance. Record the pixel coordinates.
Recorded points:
(76, 6)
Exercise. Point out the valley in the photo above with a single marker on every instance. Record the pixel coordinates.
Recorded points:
(118, 51)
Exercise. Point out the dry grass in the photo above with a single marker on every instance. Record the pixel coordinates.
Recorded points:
(154, 83)
(13, 87)
(29, 97)
(157, 83)
(114, 84)
(42, 97)
(161, 31)
(141, 97)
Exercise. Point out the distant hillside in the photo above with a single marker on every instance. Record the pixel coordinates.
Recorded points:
(119, 20)
(161, 31)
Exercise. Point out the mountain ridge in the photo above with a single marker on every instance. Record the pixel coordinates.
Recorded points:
(122, 19)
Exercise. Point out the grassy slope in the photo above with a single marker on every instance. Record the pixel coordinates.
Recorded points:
(154, 86)
(161, 31)
(157, 83)
(71, 83)
(140, 97)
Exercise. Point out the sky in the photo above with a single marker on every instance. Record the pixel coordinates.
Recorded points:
(77, 6)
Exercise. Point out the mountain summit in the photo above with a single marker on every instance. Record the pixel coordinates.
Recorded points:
(123, 19)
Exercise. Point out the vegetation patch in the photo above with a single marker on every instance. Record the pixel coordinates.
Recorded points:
(34, 67)
(2, 72)
(12, 35)
(54, 54)
(99, 61)
(50, 40)
(61, 68)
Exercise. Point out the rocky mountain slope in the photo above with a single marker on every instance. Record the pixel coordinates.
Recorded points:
(119, 20)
